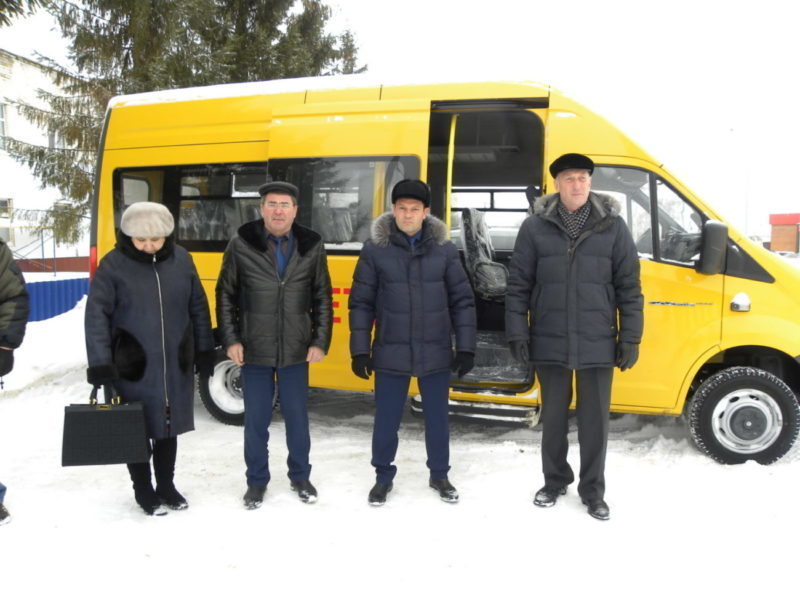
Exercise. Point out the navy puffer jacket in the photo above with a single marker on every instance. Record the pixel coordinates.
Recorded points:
(582, 295)
(415, 298)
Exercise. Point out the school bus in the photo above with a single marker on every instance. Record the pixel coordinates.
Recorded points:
(722, 334)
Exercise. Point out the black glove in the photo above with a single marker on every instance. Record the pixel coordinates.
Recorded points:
(204, 362)
(462, 363)
(101, 375)
(362, 366)
(627, 355)
(520, 350)
(6, 361)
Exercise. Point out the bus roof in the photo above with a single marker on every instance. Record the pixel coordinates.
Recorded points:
(445, 90)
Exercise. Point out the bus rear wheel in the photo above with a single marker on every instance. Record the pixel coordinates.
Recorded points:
(222, 393)
(744, 413)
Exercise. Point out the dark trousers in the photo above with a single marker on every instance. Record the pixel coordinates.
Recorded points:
(593, 401)
(391, 392)
(258, 383)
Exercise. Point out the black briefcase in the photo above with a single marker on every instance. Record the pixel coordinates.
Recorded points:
(104, 434)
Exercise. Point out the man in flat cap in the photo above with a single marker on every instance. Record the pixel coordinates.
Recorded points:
(410, 287)
(275, 316)
(574, 310)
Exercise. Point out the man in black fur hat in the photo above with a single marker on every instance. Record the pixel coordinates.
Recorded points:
(410, 287)
(574, 310)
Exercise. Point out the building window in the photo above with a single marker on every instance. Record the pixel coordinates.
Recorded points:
(2, 126)
(5, 220)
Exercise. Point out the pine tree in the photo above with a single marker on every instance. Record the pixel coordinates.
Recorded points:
(123, 47)
(9, 9)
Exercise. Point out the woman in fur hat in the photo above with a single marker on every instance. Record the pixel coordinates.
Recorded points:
(147, 324)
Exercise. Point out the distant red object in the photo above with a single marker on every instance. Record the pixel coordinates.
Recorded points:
(77, 264)
(785, 219)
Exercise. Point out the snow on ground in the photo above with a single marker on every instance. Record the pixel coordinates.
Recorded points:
(681, 524)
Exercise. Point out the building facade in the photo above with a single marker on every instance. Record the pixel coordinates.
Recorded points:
(20, 190)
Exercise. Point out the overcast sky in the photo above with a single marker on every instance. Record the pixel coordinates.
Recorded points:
(707, 87)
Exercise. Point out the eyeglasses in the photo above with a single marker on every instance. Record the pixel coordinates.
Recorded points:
(281, 205)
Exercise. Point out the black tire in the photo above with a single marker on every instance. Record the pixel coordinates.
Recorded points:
(222, 392)
(743, 413)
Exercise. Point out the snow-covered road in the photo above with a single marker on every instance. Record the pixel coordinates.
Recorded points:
(680, 522)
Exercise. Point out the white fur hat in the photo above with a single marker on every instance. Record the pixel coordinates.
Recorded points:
(147, 220)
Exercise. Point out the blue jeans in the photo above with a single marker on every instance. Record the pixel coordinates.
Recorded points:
(2, 492)
(258, 384)
(391, 392)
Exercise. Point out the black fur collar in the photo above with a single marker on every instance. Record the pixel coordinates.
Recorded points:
(255, 234)
(125, 245)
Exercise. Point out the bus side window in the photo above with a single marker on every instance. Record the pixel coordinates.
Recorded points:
(679, 227)
(339, 197)
(209, 201)
(631, 188)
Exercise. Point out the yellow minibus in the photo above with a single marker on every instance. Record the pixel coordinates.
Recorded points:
(722, 320)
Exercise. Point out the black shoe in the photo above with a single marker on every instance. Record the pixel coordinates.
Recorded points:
(447, 492)
(171, 497)
(4, 516)
(378, 493)
(598, 509)
(306, 491)
(547, 496)
(150, 503)
(254, 496)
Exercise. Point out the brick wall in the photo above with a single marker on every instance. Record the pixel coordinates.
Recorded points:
(784, 237)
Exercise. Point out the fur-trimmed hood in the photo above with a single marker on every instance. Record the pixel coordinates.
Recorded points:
(384, 227)
(254, 233)
(605, 209)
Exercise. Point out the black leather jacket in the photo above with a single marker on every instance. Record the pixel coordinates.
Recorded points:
(275, 319)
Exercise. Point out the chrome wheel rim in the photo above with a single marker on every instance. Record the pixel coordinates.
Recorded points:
(747, 421)
(225, 387)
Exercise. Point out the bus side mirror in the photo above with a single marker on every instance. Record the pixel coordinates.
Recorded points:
(715, 245)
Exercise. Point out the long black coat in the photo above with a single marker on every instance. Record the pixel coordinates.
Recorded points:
(276, 320)
(147, 315)
(583, 295)
(416, 298)
(14, 304)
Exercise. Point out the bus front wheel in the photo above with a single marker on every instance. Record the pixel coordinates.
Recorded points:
(744, 413)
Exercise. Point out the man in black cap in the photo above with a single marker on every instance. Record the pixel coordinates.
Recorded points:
(275, 316)
(574, 310)
(409, 284)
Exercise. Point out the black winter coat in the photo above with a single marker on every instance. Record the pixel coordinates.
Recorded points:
(147, 315)
(582, 295)
(14, 303)
(276, 320)
(416, 298)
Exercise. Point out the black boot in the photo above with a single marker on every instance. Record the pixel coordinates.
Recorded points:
(164, 453)
(378, 493)
(447, 492)
(143, 489)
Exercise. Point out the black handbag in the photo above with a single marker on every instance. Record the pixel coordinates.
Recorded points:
(104, 434)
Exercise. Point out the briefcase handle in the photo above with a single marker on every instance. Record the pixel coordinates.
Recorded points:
(111, 393)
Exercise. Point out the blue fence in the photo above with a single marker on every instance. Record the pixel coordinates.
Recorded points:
(51, 298)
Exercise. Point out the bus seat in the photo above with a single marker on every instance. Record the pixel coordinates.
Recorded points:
(334, 224)
(489, 278)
